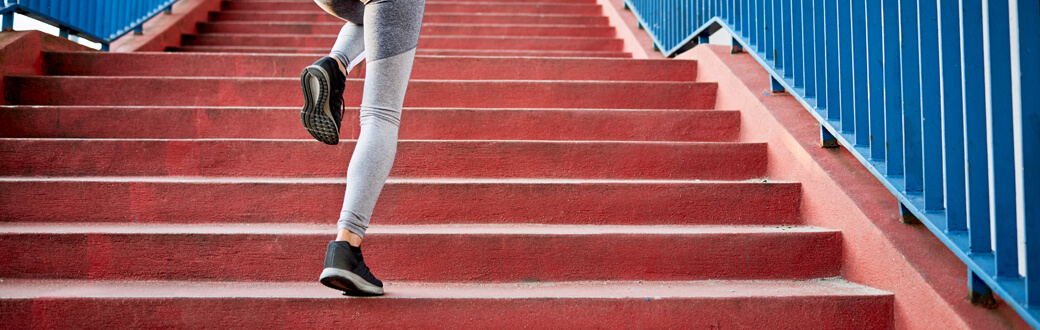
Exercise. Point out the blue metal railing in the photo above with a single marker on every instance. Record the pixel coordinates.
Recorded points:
(101, 21)
(943, 108)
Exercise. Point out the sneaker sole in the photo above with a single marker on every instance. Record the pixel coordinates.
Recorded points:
(316, 115)
(351, 284)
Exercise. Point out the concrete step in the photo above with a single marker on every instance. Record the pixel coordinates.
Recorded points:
(452, 18)
(415, 158)
(278, 92)
(434, 52)
(426, 67)
(430, 29)
(435, 7)
(825, 304)
(457, 253)
(425, 42)
(451, 1)
(418, 123)
(403, 201)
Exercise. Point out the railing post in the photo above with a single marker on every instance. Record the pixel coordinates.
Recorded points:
(827, 140)
(775, 85)
(893, 111)
(1000, 139)
(833, 75)
(848, 108)
(875, 80)
(973, 80)
(8, 18)
(931, 117)
(1029, 82)
(736, 48)
(907, 217)
(913, 169)
(979, 293)
(953, 114)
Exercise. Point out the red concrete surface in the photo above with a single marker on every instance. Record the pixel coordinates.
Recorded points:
(456, 158)
(275, 92)
(512, 18)
(467, 254)
(425, 42)
(927, 279)
(429, 29)
(21, 53)
(426, 67)
(422, 123)
(438, 52)
(165, 30)
(227, 200)
(829, 304)
(504, 7)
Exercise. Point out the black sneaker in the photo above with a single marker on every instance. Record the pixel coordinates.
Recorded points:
(323, 86)
(345, 270)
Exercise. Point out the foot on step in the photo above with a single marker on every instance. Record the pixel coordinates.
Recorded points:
(345, 270)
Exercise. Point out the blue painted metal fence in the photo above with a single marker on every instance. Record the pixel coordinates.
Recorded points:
(903, 85)
(101, 21)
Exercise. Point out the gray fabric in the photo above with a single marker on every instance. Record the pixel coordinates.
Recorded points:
(390, 39)
(350, 45)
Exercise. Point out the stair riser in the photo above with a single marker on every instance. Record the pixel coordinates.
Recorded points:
(414, 257)
(427, 30)
(317, 52)
(437, 7)
(282, 123)
(497, 159)
(425, 42)
(824, 312)
(403, 202)
(242, 16)
(426, 67)
(456, 1)
(285, 92)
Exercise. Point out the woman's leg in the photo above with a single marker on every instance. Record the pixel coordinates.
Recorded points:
(391, 36)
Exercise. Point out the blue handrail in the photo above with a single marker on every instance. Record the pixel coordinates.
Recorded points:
(903, 85)
(101, 21)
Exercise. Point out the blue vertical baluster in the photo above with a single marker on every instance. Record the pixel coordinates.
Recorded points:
(875, 80)
(911, 80)
(1029, 51)
(788, 35)
(1001, 140)
(830, 8)
(820, 49)
(848, 108)
(859, 73)
(893, 91)
(953, 114)
(797, 56)
(768, 45)
(931, 108)
(808, 50)
(976, 161)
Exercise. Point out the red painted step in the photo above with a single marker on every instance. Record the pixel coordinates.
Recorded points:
(435, 7)
(456, 18)
(283, 123)
(426, 67)
(403, 201)
(430, 29)
(455, 158)
(269, 92)
(450, 1)
(824, 304)
(434, 52)
(425, 42)
(463, 253)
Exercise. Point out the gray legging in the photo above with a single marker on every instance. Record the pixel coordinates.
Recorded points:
(386, 32)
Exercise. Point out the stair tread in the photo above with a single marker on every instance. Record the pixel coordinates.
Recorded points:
(392, 180)
(441, 229)
(713, 289)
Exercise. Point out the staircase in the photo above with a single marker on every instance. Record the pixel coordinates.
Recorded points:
(544, 179)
